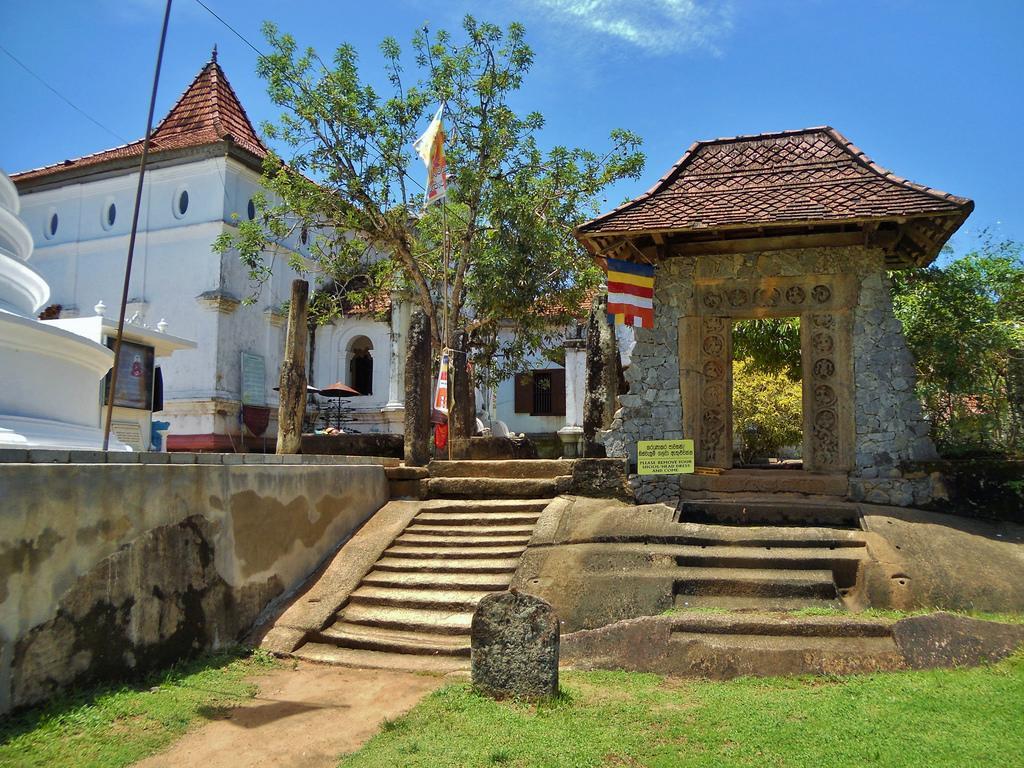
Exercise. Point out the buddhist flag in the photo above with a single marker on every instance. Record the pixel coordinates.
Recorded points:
(441, 393)
(430, 148)
(631, 293)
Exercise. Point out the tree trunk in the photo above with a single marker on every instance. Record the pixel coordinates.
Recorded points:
(417, 391)
(602, 377)
(292, 406)
(461, 408)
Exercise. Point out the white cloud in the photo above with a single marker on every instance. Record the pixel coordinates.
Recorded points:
(657, 26)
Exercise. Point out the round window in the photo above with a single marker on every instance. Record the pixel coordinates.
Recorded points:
(304, 236)
(182, 202)
(111, 215)
(251, 210)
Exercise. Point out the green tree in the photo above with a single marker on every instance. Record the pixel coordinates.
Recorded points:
(352, 177)
(964, 322)
(767, 410)
(769, 345)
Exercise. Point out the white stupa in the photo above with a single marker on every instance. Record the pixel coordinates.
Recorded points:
(49, 377)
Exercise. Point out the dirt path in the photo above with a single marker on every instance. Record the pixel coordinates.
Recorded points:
(306, 716)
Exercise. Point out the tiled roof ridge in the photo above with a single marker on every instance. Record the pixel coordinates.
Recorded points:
(854, 151)
(217, 99)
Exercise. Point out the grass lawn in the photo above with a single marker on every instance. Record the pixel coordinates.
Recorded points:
(117, 725)
(968, 717)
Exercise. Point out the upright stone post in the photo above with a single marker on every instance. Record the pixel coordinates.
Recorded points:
(514, 640)
(292, 406)
(602, 377)
(461, 408)
(417, 391)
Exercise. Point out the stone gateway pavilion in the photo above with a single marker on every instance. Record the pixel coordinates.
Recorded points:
(791, 224)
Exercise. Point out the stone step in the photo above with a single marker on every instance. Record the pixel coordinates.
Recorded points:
(755, 582)
(346, 635)
(491, 582)
(446, 565)
(459, 541)
(325, 653)
(408, 597)
(433, 621)
(699, 534)
(778, 626)
(747, 603)
(843, 563)
(748, 481)
(725, 656)
(489, 488)
(485, 506)
(516, 469)
(470, 530)
(788, 512)
(431, 517)
(422, 552)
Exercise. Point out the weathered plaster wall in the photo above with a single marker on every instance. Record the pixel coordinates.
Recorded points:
(110, 569)
(888, 427)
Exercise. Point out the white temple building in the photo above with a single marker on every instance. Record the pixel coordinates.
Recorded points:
(203, 172)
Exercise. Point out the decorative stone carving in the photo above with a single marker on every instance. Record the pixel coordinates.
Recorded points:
(712, 300)
(767, 297)
(738, 297)
(713, 345)
(795, 294)
(821, 293)
(823, 368)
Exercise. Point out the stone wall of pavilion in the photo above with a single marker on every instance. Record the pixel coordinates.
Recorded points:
(888, 427)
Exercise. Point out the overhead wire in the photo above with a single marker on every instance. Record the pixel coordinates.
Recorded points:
(61, 96)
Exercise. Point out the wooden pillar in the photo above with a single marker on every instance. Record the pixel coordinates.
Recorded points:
(461, 409)
(292, 406)
(417, 391)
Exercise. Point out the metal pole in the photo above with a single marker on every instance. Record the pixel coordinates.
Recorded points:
(135, 229)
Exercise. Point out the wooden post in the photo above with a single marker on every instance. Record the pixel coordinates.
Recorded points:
(418, 391)
(293, 373)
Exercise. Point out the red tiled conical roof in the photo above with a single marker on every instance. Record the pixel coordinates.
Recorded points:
(207, 112)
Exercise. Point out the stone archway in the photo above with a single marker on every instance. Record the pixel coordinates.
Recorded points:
(824, 305)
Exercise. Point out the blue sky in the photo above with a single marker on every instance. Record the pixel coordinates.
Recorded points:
(933, 90)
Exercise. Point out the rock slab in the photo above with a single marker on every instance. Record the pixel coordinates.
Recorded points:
(947, 640)
(514, 645)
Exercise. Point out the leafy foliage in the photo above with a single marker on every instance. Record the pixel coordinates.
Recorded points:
(965, 325)
(352, 178)
(769, 345)
(767, 411)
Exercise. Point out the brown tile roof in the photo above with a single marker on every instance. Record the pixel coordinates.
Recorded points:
(208, 112)
(810, 175)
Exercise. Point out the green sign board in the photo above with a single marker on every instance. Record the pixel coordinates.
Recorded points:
(664, 457)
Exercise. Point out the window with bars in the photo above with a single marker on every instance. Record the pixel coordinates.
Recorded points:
(541, 393)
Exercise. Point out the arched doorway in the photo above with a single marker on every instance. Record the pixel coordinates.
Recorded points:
(360, 365)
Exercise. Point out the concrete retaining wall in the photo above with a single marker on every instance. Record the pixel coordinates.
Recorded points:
(108, 570)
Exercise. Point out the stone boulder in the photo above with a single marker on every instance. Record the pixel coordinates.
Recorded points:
(515, 647)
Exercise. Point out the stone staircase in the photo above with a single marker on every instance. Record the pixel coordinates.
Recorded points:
(731, 645)
(518, 479)
(799, 555)
(414, 608)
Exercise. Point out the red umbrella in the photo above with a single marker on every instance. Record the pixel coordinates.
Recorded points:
(339, 389)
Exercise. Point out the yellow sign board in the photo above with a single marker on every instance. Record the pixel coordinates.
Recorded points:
(664, 457)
